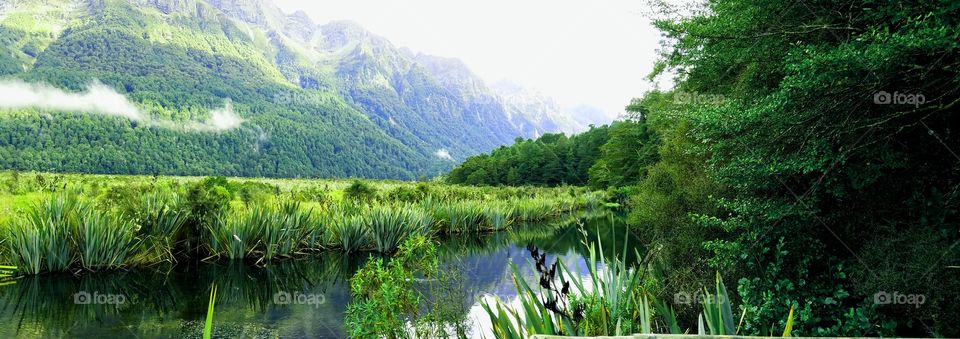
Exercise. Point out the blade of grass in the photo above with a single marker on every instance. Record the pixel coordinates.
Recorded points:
(208, 326)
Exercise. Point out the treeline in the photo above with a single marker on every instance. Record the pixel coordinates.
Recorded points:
(811, 152)
(613, 155)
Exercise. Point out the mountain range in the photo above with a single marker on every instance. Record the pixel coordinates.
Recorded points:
(238, 87)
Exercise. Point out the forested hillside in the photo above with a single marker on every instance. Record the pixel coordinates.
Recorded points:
(315, 101)
(614, 155)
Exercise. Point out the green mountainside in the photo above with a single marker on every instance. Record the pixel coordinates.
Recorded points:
(316, 101)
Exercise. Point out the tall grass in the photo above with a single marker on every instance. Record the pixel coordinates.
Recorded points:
(499, 215)
(103, 241)
(391, 225)
(161, 224)
(286, 230)
(236, 235)
(458, 216)
(107, 222)
(607, 301)
(535, 209)
(350, 233)
(40, 240)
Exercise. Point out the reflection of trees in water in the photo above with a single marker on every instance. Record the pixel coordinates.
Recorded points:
(173, 303)
(157, 301)
(483, 259)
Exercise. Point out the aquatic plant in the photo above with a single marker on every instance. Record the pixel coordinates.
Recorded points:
(103, 241)
(351, 233)
(237, 234)
(208, 323)
(40, 239)
(534, 209)
(611, 301)
(285, 229)
(499, 215)
(391, 225)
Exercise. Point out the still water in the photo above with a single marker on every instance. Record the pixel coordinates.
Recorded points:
(303, 298)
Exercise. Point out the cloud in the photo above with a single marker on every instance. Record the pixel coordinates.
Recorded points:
(101, 99)
(443, 154)
(221, 119)
(98, 98)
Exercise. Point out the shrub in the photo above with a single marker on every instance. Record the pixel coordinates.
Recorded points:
(360, 191)
(384, 298)
(286, 228)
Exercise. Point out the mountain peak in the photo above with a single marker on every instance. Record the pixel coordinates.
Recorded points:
(340, 33)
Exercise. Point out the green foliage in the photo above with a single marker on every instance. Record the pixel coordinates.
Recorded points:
(610, 301)
(41, 239)
(812, 173)
(208, 323)
(351, 232)
(551, 160)
(103, 241)
(383, 295)
(360, 191)
(391, 225)
(141, 221)
(631, 147)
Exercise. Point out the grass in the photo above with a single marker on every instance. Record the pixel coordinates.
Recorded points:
(612, 301)
(208, 323)
(60, 222)
(391, 225)
(350, 233)
(40, 240)
(104, 241)
(286, 230)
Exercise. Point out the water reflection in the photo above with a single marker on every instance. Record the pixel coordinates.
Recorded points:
(172, 303)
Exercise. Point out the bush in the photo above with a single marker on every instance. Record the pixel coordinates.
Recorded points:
(385, 298)
(360, 191)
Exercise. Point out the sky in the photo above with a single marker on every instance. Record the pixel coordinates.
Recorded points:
(579, 52)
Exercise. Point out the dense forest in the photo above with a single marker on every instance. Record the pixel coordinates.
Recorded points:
(614, 155)
(808, 149)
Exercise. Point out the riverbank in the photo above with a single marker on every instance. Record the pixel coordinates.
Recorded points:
(58, 223)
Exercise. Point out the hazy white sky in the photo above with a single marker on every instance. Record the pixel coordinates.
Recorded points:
(595, 52)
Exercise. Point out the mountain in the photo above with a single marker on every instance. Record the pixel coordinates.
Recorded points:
(535, 113)
(237, 87)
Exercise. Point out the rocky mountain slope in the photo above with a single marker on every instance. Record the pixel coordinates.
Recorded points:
(314, 100)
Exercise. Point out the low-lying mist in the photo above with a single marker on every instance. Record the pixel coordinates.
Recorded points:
(104, 100)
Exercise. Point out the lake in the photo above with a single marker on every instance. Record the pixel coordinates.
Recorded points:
(296, 298)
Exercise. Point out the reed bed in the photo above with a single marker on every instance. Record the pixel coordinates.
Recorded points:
(120, 222)
(391, 225)
(351, 233)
